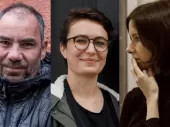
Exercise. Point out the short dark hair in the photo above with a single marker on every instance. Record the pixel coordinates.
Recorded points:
(31, 10)
(93, 14)
(76, 14)
(152, 21)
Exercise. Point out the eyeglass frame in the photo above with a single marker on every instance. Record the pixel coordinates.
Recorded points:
(109, 41)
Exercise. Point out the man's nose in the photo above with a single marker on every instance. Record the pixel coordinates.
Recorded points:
(14, 53)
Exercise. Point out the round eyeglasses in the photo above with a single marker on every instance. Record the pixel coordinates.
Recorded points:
(82, 42)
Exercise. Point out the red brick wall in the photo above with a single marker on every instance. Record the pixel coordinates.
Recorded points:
(43, 6)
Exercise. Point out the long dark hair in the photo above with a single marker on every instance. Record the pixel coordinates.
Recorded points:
(152, 21)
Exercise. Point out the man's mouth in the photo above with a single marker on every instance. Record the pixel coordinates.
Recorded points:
(13, 70)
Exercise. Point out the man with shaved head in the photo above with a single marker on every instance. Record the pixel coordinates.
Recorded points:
(24, 68)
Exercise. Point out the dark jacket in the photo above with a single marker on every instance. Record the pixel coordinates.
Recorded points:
(61, 115)
(26, 103)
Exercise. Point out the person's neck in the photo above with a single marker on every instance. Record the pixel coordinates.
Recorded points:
(82, 85)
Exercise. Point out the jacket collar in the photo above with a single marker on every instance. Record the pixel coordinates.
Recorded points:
(59, 106)
(57, 88)
(18, 91)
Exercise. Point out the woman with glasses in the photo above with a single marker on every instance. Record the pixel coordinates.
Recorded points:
(148, 105)
(78, 100)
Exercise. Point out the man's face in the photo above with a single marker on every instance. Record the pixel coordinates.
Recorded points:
(20, 47)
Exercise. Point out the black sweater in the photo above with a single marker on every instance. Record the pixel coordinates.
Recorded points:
(134, 108)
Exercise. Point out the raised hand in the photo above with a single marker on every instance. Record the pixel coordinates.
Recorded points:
(149, 87)
(145, 81)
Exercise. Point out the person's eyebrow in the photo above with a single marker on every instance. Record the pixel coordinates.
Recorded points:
(5, 38)
(28, 40)
(101, 37)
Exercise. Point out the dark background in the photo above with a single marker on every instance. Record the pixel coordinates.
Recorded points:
(59, 9)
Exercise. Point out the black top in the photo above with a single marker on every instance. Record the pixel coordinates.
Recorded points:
(85, 118)
(102, 119)
(134, 108)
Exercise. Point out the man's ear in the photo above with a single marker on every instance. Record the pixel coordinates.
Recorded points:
(44, 49)
(63, 50)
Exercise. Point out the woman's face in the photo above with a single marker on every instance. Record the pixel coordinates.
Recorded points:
(141, 54)
(87, 61)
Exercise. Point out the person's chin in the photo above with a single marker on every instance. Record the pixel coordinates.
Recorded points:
(14, 78)
(90, 71)
(143, 66)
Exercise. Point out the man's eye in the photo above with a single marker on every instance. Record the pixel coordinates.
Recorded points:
(27, 45)
(4, 43)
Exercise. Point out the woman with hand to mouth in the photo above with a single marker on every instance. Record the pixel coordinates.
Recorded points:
(148, 105)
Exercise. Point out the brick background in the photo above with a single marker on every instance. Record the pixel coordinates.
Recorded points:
(43, 6)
